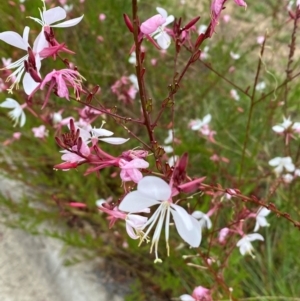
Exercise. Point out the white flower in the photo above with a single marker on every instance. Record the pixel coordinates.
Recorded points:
(245, 243)
(50, 16)
(282, 163)
(134, 81)
(16, 114)
(132, 58)
(168, 149)
(260, 86)
(261, 220)
(161, 35)
(154, 191)
(197, 124)
(287, 178)
(203, 219)
(287, 123)
(14, 39)
(170, 137)
(235, 56)
(234, 94)
(89, 135)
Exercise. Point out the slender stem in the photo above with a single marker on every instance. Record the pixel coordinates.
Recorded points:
(251, 109)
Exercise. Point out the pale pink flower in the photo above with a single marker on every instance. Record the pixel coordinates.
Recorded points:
(40, 132)
(223, 234)
(154, 191)
(260, 39)
(200, 293)
(102, 17)
(234, 94)
(130, 169)
(16, 136)
(61, 80)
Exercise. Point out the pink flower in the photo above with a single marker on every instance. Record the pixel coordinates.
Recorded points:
(40, 132)
(152, 24)
(130, 169)
(60, 80)
(200, 293)
(102, 17)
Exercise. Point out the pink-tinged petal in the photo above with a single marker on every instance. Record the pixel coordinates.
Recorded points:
(136, 163)
(135, 175)
(102, 132)
(62, 89)
(241, 3)
(53, 15)
(14, 39)
(154, 188)
(29, 84)
(163, 40)
(85, 150)
(114, 140)
(135, 202)
(68, 23)
(184, 216)
(192, 236)
(151, 25)
(125, 177)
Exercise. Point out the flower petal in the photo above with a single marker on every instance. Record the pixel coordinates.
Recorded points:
(135, 202)
(29, 84)
(114, 140)
(68, 23)
(53, 15)
(9, 103)
(192, 236)
(163, 40)
(154, 188)
(101, 132)
(183, 215)
(14, 39)
(162, 12)
(254, 236)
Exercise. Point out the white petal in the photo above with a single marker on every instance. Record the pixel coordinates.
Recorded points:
(14, 39)
(29, 84)
(275, 161)
(155, 188)
(186, 297)
(185, 217)
(135, 202)
(207, 119)
(169, 20)
(162, 12)
(193, 236)
(278, 128)
(22, 119)
(9, 103)
(263, 211)
(102, 132)
(53, 15)
(26, 34)
(68, 23)
(40, 42)
(114, 140)
(254, 236)
(163, 40)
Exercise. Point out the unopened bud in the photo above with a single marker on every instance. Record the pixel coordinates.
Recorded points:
(128, 22)
(191, 23)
